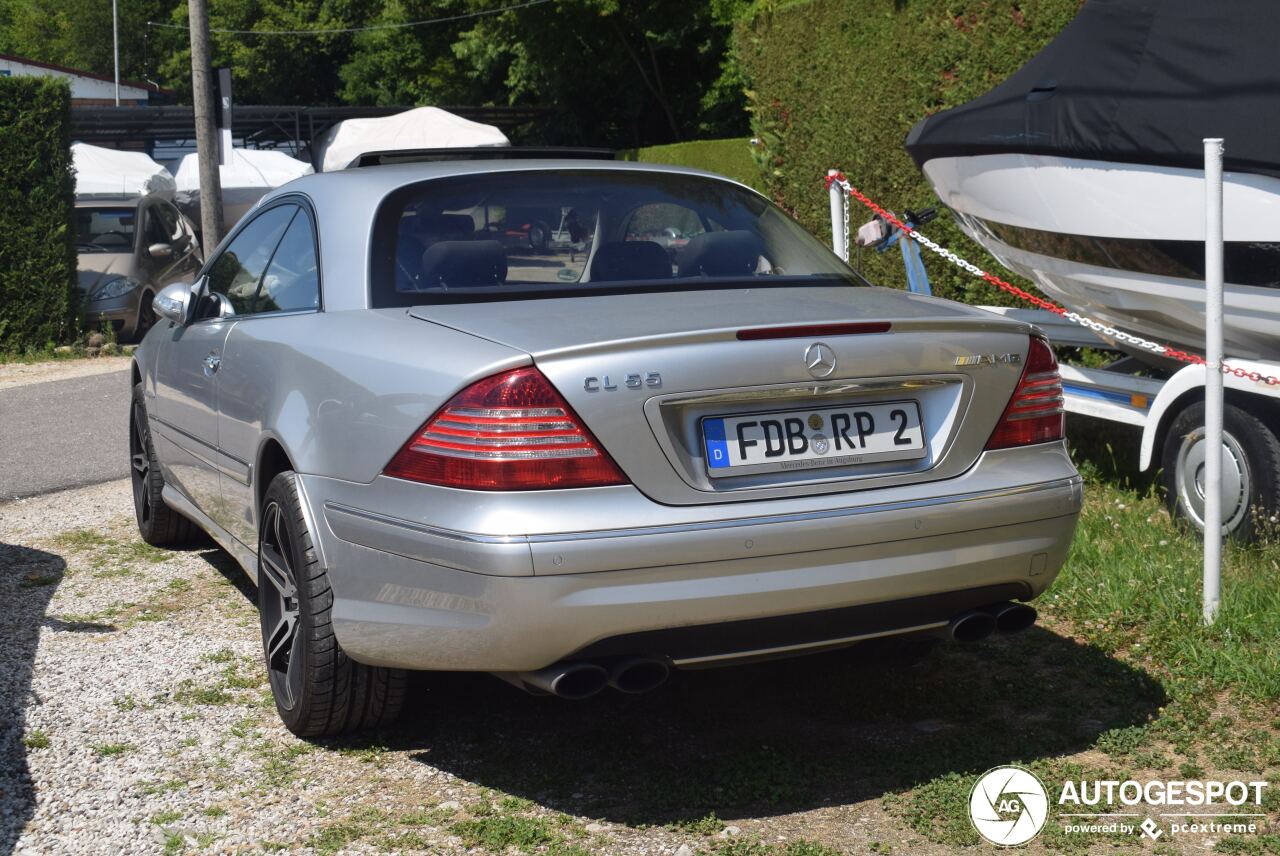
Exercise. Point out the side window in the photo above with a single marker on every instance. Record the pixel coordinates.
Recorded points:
(156, 231)
(168, 219)
(237, 272)
(292, 281)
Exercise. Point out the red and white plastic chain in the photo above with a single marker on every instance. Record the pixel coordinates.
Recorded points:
(1035, 300)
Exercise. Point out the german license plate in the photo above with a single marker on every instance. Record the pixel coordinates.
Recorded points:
(810, 439)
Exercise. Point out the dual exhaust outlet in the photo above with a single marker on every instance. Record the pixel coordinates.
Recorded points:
(579, 680)
(1001, 618)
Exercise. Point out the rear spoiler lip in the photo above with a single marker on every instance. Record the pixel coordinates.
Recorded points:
(390, 156)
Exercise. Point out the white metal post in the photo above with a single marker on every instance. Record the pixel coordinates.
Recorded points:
(1213, 377)
(115, 45)
(839, 240)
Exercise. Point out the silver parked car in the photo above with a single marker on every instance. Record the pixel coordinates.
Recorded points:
(127, 250)
(435, 449)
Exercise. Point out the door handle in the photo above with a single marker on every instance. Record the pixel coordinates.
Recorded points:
(212, 363)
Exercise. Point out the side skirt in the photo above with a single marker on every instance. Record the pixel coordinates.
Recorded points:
(246, 558)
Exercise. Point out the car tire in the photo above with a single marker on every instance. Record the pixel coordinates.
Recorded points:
(158, 524)
(1251, 472)
(319, 691)
(539, 236)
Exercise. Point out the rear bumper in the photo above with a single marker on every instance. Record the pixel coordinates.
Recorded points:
(415, 596)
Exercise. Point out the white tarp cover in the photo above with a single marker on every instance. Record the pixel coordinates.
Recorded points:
(420, 128)
(251, 173)
(111, 172)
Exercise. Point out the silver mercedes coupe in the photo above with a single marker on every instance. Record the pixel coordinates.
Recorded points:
(583, 460)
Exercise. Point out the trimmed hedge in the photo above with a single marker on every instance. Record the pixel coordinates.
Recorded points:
(839, 83)
(37, 193)
(731, 158)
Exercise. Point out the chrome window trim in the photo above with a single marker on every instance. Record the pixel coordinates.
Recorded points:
(299, 200)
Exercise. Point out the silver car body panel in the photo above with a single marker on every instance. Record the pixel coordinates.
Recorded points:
(440, 578)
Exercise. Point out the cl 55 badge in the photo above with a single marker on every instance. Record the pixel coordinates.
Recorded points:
(988, 359)
(630, 381)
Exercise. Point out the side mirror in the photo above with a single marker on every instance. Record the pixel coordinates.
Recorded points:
(175, 302)
(160, 251)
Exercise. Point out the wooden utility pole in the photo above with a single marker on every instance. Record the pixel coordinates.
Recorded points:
(206, 133)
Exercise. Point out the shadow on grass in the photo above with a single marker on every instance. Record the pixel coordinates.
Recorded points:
(28, 579)
(220, 560)
(1109, 451)
(777, 737)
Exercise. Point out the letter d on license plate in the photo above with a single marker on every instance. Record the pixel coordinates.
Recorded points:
(810, 439)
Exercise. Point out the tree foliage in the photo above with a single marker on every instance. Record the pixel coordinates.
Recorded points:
(839, 83)
(619, 72)
(37, 254)
(77, 33)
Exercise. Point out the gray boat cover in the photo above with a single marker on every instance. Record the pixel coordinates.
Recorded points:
(1136, 81)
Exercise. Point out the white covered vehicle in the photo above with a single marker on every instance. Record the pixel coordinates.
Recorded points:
(250, 175)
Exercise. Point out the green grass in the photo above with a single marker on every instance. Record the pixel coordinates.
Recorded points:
(174, 843)
(154, 788)
(36, 739)
(34, 580)
(190, 694)
(110, 750)
(83, 539)
(756, 847)
(1133, 588)
(1131, 591)
(500, 831)
(731, 158)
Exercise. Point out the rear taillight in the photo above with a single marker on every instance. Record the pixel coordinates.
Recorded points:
(511, 431)
(1034, 413)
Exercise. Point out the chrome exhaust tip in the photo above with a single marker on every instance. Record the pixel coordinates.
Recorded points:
(564, 680)
(971, 626)
(1013, 617)
(638, 674)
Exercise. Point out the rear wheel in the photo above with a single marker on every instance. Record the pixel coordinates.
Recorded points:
(318, 689)
(1250, 471)
(158, 524)
(539, 233)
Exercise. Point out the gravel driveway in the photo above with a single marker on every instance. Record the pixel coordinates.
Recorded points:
(134, 718)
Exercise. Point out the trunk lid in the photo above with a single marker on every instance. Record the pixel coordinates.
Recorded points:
(645, 370)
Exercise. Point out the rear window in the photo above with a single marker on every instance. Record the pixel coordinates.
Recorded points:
(563, 233)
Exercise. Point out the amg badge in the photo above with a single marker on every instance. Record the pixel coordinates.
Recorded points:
(988, 359)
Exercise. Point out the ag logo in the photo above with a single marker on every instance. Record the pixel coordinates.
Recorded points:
(1008, 806)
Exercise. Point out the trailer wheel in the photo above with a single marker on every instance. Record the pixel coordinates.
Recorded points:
(1250, 471)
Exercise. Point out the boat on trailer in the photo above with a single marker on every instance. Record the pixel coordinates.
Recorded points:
(1083, 171)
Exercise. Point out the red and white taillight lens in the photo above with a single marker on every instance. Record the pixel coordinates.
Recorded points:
(511, 431)
(1034, 414)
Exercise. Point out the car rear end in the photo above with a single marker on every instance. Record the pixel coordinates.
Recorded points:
(754, 454)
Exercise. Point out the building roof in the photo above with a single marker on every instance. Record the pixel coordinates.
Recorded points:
(78, 72)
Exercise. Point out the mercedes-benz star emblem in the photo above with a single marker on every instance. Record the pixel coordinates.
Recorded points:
(820, 360)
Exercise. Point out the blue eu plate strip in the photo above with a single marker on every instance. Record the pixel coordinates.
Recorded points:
(717, 448)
